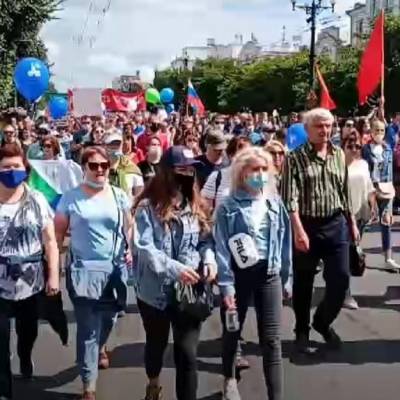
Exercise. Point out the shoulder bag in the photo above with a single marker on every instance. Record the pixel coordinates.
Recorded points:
(195, 302)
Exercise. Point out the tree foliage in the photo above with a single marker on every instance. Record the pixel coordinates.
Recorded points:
(226, 86)
(21, 21)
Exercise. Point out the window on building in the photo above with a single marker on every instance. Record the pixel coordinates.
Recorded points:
(373, 7)
(360, 27)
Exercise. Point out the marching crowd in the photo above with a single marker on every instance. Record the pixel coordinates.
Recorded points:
(177, 204)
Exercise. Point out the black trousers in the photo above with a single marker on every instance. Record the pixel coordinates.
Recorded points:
(266, 290)
(186, 334)
(26, 324)
(329, 241)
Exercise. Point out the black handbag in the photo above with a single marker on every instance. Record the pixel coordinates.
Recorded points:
(357, 260)
(194, 301)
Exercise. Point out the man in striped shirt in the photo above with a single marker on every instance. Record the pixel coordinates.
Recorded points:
(315, 191)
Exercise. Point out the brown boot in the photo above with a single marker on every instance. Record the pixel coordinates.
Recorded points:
(89, 396)
(104, 361)
(153, 393)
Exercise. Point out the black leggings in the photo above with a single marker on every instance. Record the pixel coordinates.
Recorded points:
(186, 334)
(267, 293)
(26, 324)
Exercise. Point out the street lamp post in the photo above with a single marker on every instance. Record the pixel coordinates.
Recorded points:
(313, 9)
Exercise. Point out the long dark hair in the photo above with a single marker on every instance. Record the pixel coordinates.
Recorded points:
(160, 192)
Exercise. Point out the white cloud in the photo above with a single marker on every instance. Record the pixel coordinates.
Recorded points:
(91, 48)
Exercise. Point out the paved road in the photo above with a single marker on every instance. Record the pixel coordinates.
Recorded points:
(368, 367)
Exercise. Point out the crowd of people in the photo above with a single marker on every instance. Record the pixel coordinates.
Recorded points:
(177, 203)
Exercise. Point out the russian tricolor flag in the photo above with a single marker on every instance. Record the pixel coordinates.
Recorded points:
(194, 100)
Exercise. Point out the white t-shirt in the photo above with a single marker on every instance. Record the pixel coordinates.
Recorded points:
(134, 181)
(23, 241)
(360, 186)
(209, 189)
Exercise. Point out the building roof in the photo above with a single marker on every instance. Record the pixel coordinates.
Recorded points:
(357, 8)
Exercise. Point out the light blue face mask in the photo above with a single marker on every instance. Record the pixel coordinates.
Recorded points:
(95, 185)
(257, 181)
(114, 154)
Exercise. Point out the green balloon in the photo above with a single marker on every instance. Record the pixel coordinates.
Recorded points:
(153, 96)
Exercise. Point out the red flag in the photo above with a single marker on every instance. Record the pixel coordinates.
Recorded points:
(325, 98)
(372, 62)
(115, 100)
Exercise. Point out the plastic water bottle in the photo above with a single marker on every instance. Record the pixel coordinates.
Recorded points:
(232, 321)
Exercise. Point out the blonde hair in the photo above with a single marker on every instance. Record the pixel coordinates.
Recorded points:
(317, 114)
(274, 143)
(243, 159)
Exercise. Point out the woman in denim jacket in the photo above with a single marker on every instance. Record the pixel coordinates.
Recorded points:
(254, 255)
(379, 156)
(171, 241)
(98, 217)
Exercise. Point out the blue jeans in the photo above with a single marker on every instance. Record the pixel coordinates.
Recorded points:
(385, 209)
(94, 325)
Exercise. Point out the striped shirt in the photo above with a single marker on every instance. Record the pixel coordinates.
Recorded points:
(313, 186)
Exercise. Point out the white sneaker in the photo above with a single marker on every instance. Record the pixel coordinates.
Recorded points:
(350, 303)
(231, 391)
(392, 265)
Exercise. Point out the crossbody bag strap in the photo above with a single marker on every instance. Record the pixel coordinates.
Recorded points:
(120, 224)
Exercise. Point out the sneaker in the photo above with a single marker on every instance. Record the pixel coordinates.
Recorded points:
(242, 363)
(89, 396)
(153, 393)
(26, 368)
(332, 339)
(350, 303)
(303, 345)
(231, 391)
(104, 361)
(392, 265)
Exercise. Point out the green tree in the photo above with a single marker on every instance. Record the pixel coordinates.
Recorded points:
(21, 21)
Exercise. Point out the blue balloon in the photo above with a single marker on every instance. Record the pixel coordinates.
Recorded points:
(170, 108)
(58, 107)
(296, 136)
(167, 95)
(31, 77)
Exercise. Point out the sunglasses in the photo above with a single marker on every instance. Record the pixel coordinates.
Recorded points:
(101, 132)
(349, 125)
(94, 166)
(353, 147)
(8, 132)
(47, 146)
(277, 153)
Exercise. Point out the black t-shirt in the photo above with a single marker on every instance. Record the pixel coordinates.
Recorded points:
(148, 170)
(207, 168)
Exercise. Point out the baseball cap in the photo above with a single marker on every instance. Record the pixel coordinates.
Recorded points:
(216, 139)
(179, 156)
(113, 137)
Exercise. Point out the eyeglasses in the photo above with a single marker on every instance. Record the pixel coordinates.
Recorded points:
(8, 132)
(94, 166)
(277, 153)
(353, 147)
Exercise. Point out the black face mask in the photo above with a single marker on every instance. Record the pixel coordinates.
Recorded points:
(185, 183)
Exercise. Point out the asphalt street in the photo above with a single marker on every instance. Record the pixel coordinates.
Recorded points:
(367, 368)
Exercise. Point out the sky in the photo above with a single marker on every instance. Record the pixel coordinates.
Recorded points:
(94, 41)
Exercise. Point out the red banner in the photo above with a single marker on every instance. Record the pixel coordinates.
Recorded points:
(116, 101)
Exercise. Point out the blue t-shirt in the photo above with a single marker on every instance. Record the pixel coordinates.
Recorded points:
(93, 223)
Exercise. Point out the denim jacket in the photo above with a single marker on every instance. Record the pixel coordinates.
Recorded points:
(161, 253)
(380, 172)
(233, 217)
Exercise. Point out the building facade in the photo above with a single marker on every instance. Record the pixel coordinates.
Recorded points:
(362, 14)
(238, 50)
(329, 42)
